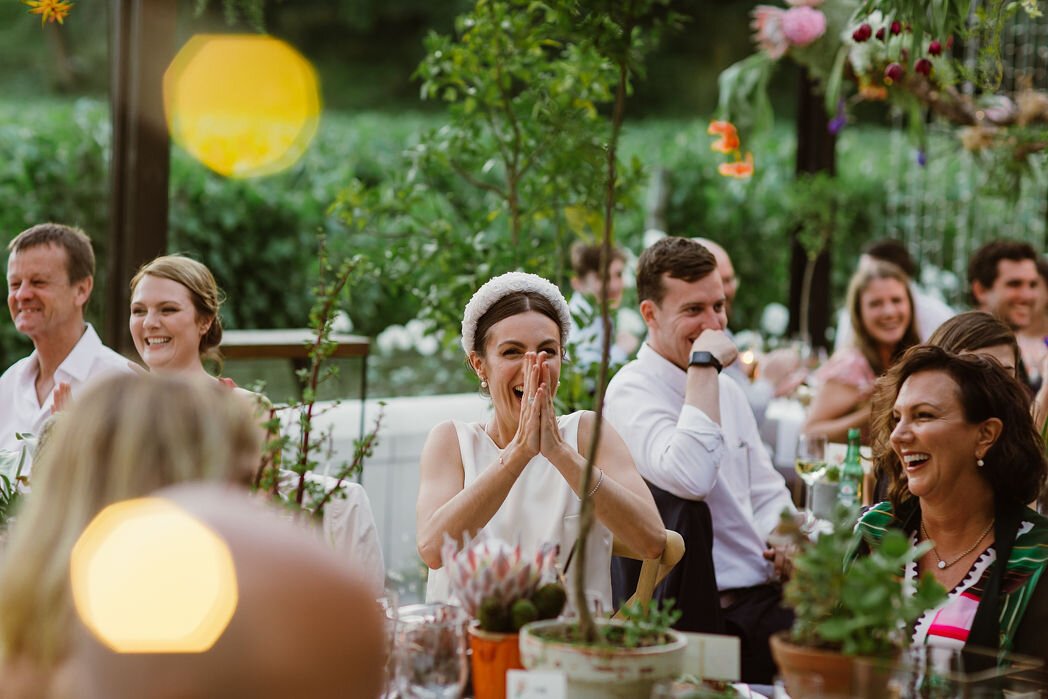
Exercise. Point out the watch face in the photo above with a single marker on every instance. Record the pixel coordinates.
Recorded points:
(704, 358)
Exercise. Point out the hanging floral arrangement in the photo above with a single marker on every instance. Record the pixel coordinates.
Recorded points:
(901, 51)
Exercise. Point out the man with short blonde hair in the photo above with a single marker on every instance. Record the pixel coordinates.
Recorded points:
(50, 275)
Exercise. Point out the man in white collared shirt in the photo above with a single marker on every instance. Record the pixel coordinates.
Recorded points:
(50, 274)
(692, 433)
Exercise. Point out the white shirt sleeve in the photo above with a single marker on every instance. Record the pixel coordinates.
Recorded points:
(679, 449)
(769, 495)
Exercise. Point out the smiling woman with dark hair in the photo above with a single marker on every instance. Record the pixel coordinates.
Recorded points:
(962, 457)
(519, 475)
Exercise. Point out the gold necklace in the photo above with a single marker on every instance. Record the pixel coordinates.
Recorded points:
(943, 565)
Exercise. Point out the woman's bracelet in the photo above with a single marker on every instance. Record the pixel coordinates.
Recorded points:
(599, 481)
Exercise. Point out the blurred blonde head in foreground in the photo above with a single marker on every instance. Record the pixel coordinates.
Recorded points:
(304, 625)
(125, 437)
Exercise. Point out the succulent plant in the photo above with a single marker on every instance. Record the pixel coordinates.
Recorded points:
(490, 577)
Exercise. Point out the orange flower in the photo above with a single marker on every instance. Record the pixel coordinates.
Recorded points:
(740, 169)
(729, 137)
(49, 10)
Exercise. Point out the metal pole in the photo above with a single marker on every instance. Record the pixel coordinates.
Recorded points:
(816, 152)
(142, 43)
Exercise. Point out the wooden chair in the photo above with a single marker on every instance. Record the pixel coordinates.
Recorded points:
(652, 570)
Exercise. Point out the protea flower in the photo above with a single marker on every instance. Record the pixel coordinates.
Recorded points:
(487, 568)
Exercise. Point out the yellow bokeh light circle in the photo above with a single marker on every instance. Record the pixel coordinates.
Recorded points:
(244, 105)
(148, 577)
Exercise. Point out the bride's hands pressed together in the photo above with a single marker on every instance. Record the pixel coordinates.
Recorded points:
(527, 441)
(551, 439)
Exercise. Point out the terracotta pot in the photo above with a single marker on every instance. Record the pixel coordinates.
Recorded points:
(602, 673)
(797, 662)
(493, 655)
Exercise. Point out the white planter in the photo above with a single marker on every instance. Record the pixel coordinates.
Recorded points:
(599, 673)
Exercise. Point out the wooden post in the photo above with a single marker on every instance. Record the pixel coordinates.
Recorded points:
(816, 152)
(142, 44)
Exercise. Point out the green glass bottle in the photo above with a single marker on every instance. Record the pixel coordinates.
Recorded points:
(849, 492)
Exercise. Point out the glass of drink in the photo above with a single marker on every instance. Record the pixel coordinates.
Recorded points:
(810, 463)
(430, 651)
(387, 604)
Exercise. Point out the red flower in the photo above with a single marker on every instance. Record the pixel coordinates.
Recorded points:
(924, 67)
(729, 136)
(935, 48)
(863, 33)
(740, 169)
(893, 73)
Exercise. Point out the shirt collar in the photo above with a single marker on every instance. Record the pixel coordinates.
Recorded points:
(77, 364)
(663, 368)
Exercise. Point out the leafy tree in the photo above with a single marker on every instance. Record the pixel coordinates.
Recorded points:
(518, 170)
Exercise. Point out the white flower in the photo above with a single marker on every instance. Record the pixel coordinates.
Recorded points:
(392, 339)
(632, 322)
(341, 323)
(775, 318)
(652, 236)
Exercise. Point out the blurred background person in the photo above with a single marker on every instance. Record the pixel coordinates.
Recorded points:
(304, 626)
(174, 319)
(1003, 280)
(881, 310)
(586, 330)
(1033, 337)
(176, 325)
(124, 437)
(50, 277)
(761, 376)
(929, 311)
(964, 458)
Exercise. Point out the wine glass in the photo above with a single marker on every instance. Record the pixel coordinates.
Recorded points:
(430, 651)
(810, 462)
(933, 672)
(387, 605)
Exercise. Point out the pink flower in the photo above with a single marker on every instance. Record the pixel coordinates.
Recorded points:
(804, 3)
(803, 25)
(768, 33)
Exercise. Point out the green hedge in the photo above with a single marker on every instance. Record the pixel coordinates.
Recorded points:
(259, 235)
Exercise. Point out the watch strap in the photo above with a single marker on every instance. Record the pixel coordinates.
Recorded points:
(704, 358)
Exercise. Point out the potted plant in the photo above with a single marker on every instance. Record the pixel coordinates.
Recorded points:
(630, 656)
(849, 606)
(604, 658)
(502, 591)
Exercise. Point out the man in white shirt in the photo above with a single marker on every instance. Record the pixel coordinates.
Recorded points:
(691, 433)
(50, 274)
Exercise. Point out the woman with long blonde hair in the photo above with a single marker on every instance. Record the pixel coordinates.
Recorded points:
(880, 304)
(125, 437)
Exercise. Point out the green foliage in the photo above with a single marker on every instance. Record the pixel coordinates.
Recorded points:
(646, 624)
(53, 159)
(546, 602)
(517, 170)
(859, 607)
(257, 236)
(12, 482)
(296, 445)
